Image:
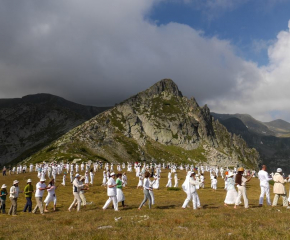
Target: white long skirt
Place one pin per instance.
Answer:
(120, 195)
(50, 198)
(231, 196)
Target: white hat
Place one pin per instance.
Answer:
(279, 170)
(42, 179)
(4, 186)
(29, 180)
(230, 174)
(15, 182)
(77, 175)
(112, 174)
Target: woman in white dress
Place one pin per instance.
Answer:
(140, 183)
(156, 182)
(87, 177)
(51, 197)
(104, 178)
(169, 183)
(231, 191)
(119, 186)
(124, 179)
(92, 176)
(175, 180)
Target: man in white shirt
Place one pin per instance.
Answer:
(40, 187)
(14, 191)
(77, 186)
(112, 192)
(264, 184)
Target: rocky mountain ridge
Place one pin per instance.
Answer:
(28, 124)
(274, 151)
(157, 124)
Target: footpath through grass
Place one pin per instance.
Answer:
(166, 220)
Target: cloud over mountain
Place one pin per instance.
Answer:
(101, 52)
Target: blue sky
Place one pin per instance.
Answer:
(232, 55)
(250, 25)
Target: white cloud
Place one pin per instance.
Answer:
(102, 52)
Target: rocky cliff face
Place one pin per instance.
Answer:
(158, 123)
(28, 124)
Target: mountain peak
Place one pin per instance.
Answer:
(165, 85)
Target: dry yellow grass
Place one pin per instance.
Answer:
(166, 220)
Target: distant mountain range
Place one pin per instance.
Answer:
(158, 124)
(29, 123)
(269, 138)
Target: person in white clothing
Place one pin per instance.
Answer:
(241, 184)
(92, 176)
(176, 180)
(77, 186)
(146, 189)
(14, 192)
(214, 183)
(40, 187)
(112, 192)
(51, 197)
(189, 187)
(264, 184)
(169, 183)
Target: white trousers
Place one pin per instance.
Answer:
(276, 198)
(115, 203)
(76, 199)
(265, 190)
(242, 192)
(195, 200)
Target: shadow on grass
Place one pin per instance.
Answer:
(207, 206)
(166, 207)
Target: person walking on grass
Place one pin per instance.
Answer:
(146, 189)
(14, 192)
(279, 188)
(241, 184)
(28, 190)
(120, 194)
(112, 192)
(264, 184)
(51, 197)
(77, 186)
(3, 195)
(40, 187)
(189, 187)
(231, 191)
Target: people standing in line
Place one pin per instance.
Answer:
(146, 189)
(14, 192)
(241, 184)
(51, 197)
(28, 190)
(264, 184)
(40, 187)
(189, 187)
(112, 192)
(77, 186)
(279, 188)
(120, 194)
(3, 195)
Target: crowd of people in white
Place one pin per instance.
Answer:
(234, 177)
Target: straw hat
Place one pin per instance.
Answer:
(15, 182)
(240, 169)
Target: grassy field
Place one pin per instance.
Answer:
(166, 220)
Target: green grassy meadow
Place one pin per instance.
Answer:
(166, 219)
